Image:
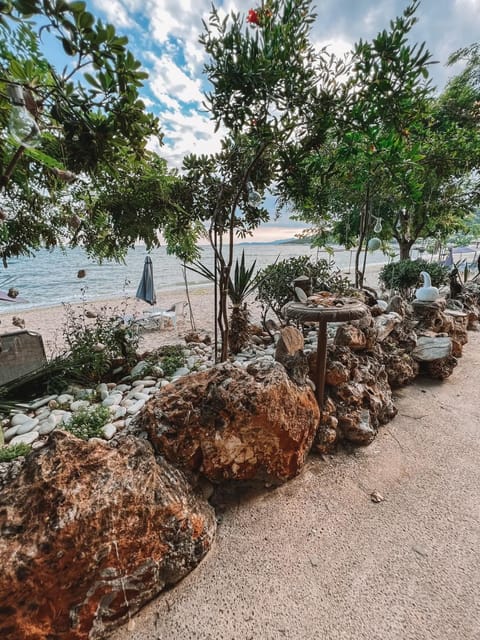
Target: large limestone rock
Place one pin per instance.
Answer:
(289, 352)
(89, 533)
(234, 424)
(358, 398)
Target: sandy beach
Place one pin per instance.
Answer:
(50, 322)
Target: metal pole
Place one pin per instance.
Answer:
(215, 297)
(321, 362)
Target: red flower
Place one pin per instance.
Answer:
(252, 17)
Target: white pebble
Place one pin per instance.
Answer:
(134, 408)
(25, 438)
(65, 398)
(9, 433)
(18, 419)
(109, 430)
(27, 426)
(79, 404)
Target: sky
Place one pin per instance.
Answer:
(163, 35)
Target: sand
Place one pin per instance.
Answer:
(51, 322)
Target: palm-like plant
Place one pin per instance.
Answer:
(244, 282)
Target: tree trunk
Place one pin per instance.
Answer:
(364, 220)
(405, 246)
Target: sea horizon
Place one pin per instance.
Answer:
(51, 277)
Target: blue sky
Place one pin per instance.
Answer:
(164, 34)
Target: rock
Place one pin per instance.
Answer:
(356, 427)
(135, 407)
(24, 438)
(348, 335)
(113, 399)
(112, 528)
(439, 369)
(432, 348)
(336, 373)
(27, 426)
(102, 391)
(140, 368)
(289, 342)
(65, 398)
(401, 368)
(289, 352)
(78, 405)
(399, 305)
(386, 323)
(109, 430)
(18, 419)
(48, 425)
(118, 411)
(231, 423)
(10, 432)
(182, 371)
(354, 382)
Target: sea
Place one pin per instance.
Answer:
(51, 276)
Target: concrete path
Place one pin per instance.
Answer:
(317, 560)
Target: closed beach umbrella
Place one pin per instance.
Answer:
(448, 262)
(146, 288)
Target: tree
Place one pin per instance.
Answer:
(350, 175)
(85, 125)
(262, 74)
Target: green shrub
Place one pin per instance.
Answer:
(405, 275)
(10, 452)
(89, 423)
(95, 346)
(172, 358)
(275, 288)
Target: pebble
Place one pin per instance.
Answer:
(118, 411)
(25, 438)
(65, 398)
(109, 430)
(149, 382)
(77, 405)
(27, 426)
(139, 368)
(141, 396)
(113, 399)
(135, 408)
(18, 419)
(182, 371)
(47, 426)
(102, 391)
(121, 388)
(9, 433)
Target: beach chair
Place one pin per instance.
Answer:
(156, 318)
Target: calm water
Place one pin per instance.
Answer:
(51, 276)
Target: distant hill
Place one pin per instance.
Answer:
(284, 241)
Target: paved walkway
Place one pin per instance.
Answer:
(317, 560)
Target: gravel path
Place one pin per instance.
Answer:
(317, 559)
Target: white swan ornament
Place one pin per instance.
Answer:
(427, 293)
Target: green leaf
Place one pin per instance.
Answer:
(43, 158)
(68, 47)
